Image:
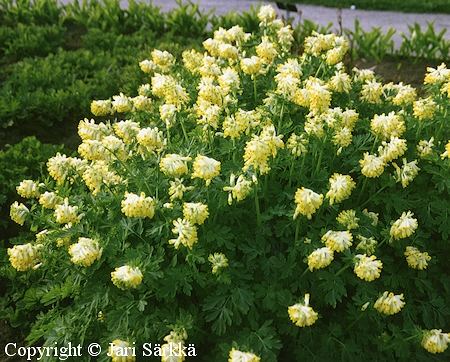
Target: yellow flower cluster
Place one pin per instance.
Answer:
(195, 213)
(416, 259)
(368, 268)
(29, 189)
(174, 165)
(341, 187)
(238, 356)
(126, 277)
(18, 212)
(218, 260)
(85, 252)
(337, 240)
(389, 303)
(138, 206)
(302, 314)
(260, 148)
(406, 173)
(64, 213)
(187, 233)
(25, 257)
(387, 126)
(206, 168)
(348, 219)
(49, 200)
(239, 188)
(435, 341)
(172, 350)
(307, 202)
(404, 226)
(320, 258)
(121, 351)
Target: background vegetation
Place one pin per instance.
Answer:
(414, 6)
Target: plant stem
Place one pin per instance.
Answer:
(258, 211)
(345, 267)
(184, 130)
(371, 197)
(362, 190)
(254, 89)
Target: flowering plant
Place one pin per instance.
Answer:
(251, 203)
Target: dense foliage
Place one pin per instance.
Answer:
(246, 202)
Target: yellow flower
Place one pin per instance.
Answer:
(62, 168)
(142, 102)
(320, 258)
(404, 226)
(239, 189)
(368, 268)
(177, 189)
(368, 245)
(435, 341)
(101, 108)
(318, 94)
(425, 147)
(25, 257)
(407, 173)
(348, 219)
(49, 200)
(371, 92)
(371, 215)
(121, 351)
(148, 66)
(229, 80)
(371, 165)
(228, 51)
(192, 60)
(393, 149)
(85, 252)
(206, 168)
(187, 233)
(302, 314)
(127, 130)
(121, 103)
(126, 277)
(405, 95)
(440, 74)
(416, 259)
(307, 202)
(341, 187)
(89, 130)
(196, 213)
(266, 14)
(424, 108)
(174, 165)
(447, 151)
(163, 59)
(387, 126)
(218, 260)
(238, 356)
(18, 212)
(138, 206)
(389, 303)
(251, 65)
(98, 174)
(29, 189)
(64, 213)
(152, 139)
(266, 50)
(340, 82)
(337, 240)
(297, 144)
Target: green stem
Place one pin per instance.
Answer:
(297, 231)
(362, 189)
(392, 345)
(280, 121)
(371, 197)
(345, 267)
(441, 126)
(254, 89)
(184, 130)
(258, 211)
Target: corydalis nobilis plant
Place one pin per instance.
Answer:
(259, 201)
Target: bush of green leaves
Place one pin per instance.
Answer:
(247, 204)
